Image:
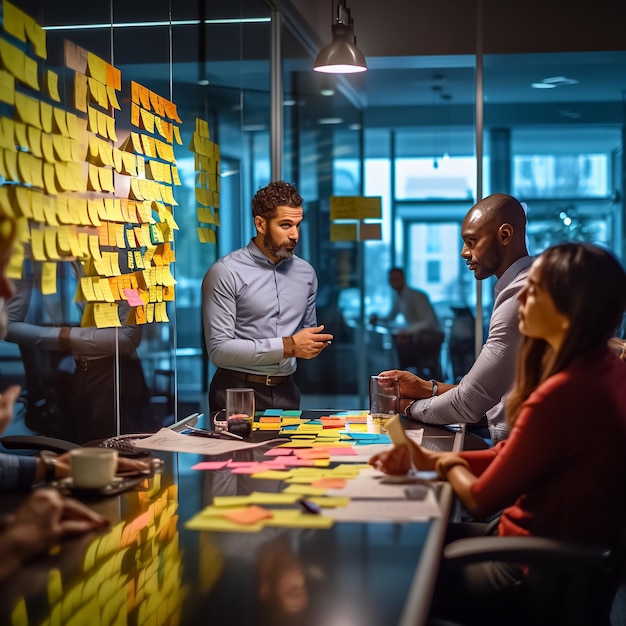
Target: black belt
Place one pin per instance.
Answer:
(270, 380)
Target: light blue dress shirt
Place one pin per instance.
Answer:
(249, 304)
(481, 391)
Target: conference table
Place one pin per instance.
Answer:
(148, 568)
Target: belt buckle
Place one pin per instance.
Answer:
(268, 380)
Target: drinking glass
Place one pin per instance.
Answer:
(240, 410)
(384, 394)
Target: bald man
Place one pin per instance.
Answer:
(494, 244)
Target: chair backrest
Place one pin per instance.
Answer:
(563, 593)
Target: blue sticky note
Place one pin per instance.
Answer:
(273, 412)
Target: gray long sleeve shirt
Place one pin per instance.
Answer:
(249, 304)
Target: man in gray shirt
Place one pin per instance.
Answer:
(258, 307)
(494, 243)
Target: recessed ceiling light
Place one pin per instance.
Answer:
(289, 103)
(355, 127)
(542, 86)
(203, 82)
(330, 120)
(559, 81)
(327, 92)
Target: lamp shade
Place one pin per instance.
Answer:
(341, 56)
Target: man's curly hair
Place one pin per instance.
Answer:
(277, 193)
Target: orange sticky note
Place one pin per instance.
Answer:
(249, 515)
(329, 483)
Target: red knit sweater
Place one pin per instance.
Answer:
(562, 471)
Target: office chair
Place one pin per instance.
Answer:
(422, 352)
(567, 583)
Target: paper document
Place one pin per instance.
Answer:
(170, 441)
(386, 510)
(370, 485)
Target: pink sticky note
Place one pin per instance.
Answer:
(209, 465)
(250, 515)
(250, 468)
(274, 465)
(343, 451)
(278, 452)
(133, 297)
(241, 463)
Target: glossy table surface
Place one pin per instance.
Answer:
(149, 569)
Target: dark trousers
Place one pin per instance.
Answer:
(285, 396)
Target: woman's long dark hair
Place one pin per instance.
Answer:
(588, 286)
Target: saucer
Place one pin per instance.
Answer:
(117, 485)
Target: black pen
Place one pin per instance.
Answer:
(214, 434)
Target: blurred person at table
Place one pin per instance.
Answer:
(75, 398)
(45, 519)
(422, 330)
(494, 244)
(20, 471)
(258, 306)
(572, 303)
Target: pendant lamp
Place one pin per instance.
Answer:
(341, 55)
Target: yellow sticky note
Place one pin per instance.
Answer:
(31, 73)
(45, 112)
(7, 87)
(48, 278)
(343, 232)
(58, 116)
(27, 109)
(13, 20)
(37, 36)
(112, 97)
(52, 85)
(80, 92)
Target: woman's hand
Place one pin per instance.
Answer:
(398, 462)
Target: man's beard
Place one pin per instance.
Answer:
(278, 251)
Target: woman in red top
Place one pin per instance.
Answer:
(561, 472)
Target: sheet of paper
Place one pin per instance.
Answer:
(168, 440)
(370, 486)
(386, 510)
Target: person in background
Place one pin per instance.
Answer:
(422, 331)
(570, 306)
(494, 244)
(258, 307)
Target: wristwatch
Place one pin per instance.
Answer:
(49, 460)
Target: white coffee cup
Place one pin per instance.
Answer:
(93, 468)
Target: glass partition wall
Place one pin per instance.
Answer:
(552, 134)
